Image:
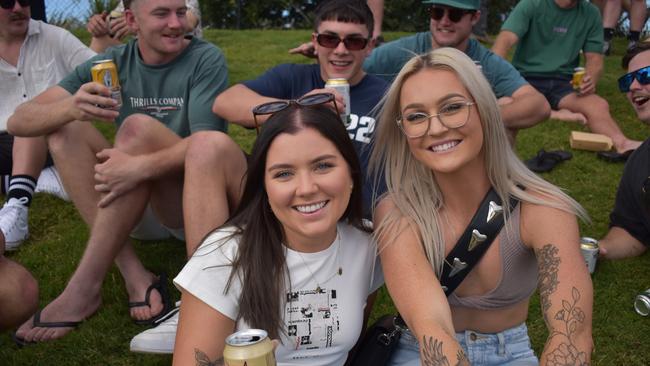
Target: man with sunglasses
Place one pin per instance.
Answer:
(168, 84)
(451, 26)
(629, 221)
(33, 56)
(550, 34)
(342, 35)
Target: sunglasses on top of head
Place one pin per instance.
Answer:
(641, 75)
(454, 14)
(352, 43)
(9, 4)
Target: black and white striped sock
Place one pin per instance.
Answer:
(21, 186)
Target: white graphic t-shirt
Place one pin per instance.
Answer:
(323, 313)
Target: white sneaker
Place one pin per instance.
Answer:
(50, 182)
(159, 339)
(13, 222)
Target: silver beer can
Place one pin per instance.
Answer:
(251, 347)
(642, 303)
(589, 249)
(343, 87)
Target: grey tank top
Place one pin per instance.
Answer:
(518, 272)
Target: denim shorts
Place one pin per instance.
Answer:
(510, 347)
(553, 88)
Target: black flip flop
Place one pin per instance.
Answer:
(159, 285)
(545, 161)
(614, 157)
(37, 323)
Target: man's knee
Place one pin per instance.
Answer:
(134, 131)
(64, 137)
(18, 294)
(208, 148)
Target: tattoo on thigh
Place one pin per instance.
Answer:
(548, 262)
(203, 360)
(432, 354)
(571, 317)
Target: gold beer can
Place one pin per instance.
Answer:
(578, 74)
(342, 86)
(105, 73)
(251, 347)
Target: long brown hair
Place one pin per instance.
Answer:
(260, 263)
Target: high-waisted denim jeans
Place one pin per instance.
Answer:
(510, 347)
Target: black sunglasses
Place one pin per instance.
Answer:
(9, 4)
(306, 101)
(454, 14)
(641, 75)
(352, 43)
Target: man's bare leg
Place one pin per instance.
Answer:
(568, 116)
(110, 229)
(214, 168)
(599, 120)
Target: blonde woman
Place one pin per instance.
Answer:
(443, 148)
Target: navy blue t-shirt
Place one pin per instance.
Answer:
(291, 81)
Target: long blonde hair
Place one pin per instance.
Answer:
(412, 186)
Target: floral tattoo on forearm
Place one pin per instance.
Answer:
(570, 316)
(203, 360)
(432, 354)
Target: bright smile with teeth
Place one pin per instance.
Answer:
(340, 63)
(640, 100)
(444, 147)
(311, 208)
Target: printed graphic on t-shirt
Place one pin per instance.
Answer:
(312, 318)
(157, 107)
(361, 128)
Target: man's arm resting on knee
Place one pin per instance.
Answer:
(527, 108)
(504, 42)
(618, 244)
(236, 105)
(55, 107)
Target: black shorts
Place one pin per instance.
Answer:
(6, 154)
(553, 88)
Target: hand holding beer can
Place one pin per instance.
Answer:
(111, 18)
(342, 87)
(251, 347)
(105, 73)
(576, 81)
(589, 249)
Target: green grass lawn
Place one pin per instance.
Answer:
(58, 235)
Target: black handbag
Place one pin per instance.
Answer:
(381, 338)
(377, 344)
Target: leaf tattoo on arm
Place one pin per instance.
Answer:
(432, 354)
(570, 315)
(203, 360)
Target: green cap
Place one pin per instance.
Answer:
(460, 4)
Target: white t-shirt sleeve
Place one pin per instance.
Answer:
(206, 274)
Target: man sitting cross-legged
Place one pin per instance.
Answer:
(342, 35)
(168, 85)
(550, 35)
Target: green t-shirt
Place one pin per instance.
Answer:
(179, 94)
(387, 61)
(550, 37)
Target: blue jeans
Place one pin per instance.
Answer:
(510, 347)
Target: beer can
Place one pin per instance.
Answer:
(343, 87)
(578, 74)
(251, 347)
(105, 72)
(111, 17)
(589, 249)
(642, 303)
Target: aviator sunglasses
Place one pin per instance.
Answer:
(641, 75)
(454, 14)
(306, 101)
(352, 43)
(9, 4)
